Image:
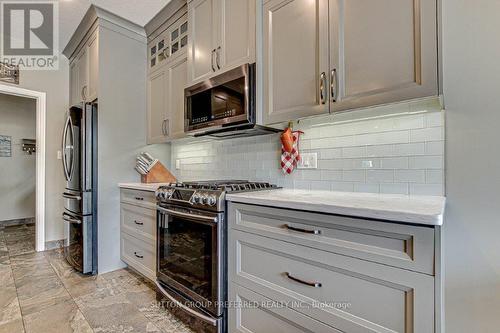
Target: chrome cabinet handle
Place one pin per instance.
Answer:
(322, 87)
(217, 57)
(163, 127)
(333, 85)
(212, 60)
(138, 256)
(307, 283)
(306, 231)
(138, 223)
(84, 89)
(139, 198)
(167, 125)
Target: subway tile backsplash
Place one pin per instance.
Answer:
(396, 149)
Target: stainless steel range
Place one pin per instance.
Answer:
(192, 249)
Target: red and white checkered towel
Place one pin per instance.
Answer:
(289, 160)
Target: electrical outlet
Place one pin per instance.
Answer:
(308, 161)
(177, 164)
(59, 155)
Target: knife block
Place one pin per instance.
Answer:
(158, 174)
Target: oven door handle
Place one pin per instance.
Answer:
(187, 215)
(209, 320)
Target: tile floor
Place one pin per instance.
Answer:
(40, 292)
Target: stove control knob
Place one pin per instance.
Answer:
(204, 199)
(196, 198)
(168, 194)
(212, 200)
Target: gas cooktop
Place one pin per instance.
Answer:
(209, 194)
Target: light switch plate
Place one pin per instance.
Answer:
(308, 161)
(59, 155)
(177, 164)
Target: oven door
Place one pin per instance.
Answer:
(190, 255)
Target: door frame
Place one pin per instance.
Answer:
(41, 109)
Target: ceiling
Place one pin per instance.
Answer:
(71, 13)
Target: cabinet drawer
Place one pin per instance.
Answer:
(139, 222)
(254, 313)
(355, 295)
(139, 255)
(136, 197)
(399, 245)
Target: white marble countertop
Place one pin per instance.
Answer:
(141, 186)
(427, 210)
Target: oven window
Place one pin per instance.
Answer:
(224, 101)
(186, 254)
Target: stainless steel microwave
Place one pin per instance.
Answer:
(223, 106)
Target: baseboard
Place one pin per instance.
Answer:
(55, 244)
(8, 223)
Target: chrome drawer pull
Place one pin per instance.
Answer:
(138, 256)
(313, 232)
(307, 283)
(139, 198)
(138, 223)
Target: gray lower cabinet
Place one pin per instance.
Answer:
(138, 231)
(352, 278)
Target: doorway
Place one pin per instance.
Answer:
(39, 99)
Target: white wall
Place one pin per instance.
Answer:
(472, 225)
(17, 173)
(403, 142)
(54, 84)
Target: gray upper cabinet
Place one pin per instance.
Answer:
(167, 57)
(346, 54)
(84, 75)
(93, 74)
(156, 106)
(222, 36)
(237, 32)
(382, 51)
(295, 59)
(177, 78)
(203, 37)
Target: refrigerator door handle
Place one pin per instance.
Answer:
(68, 170)
(64, 162)
(70, 219)
(71, 196)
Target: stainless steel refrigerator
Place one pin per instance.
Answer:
(79, 158)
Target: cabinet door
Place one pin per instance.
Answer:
(73, 82)
(156, 106)
(177, 79)
(295, 59)
(82, 75)
(383, 51)
(93, 61)
(237, 33)
(202, 35)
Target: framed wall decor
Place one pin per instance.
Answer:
(5, 146)
(9, 73)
